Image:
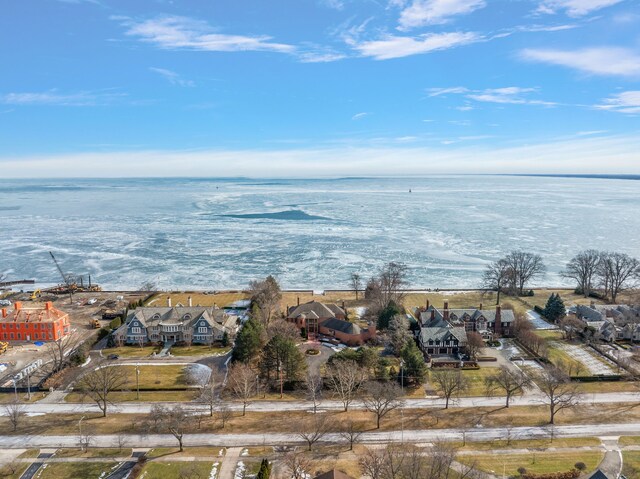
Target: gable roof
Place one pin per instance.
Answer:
(506, 315)
(342, 326)
(333, 474)
(322, 310)
(598, 474)
(442, 334)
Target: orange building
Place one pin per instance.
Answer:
(33, 324)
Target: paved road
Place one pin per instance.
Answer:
(411, 436)
(269, 406)
(35, 466)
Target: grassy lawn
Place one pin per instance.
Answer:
(201, 451)
(199, 350)
(530, 443)
(75, 470)
(168, 470)
(29, 453)
(129, 396)
(608, 387)
(467, 299)
(549, 334)
(198, 299)
(6, 398)
(93, 452)
(156, 377)
(476, 380)
(132, 351)
(537, 462)
(631, 464)
(557, 356)
(13, 471)
(629, 441)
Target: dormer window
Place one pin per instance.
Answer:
(156, 316)
(186, 317)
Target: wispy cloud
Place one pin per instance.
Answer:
(512, 95)
(433, 12)
(563, 156)
(172, 77)
(625, 102)
(574, 8)
(55, 98)
(176, 32)
(335, 4)
(360, 116)
(398, 46)
(611, 61)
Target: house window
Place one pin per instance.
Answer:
(135, 330)
(202, 329)
(12, 336)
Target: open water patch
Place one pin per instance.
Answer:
(288, 215)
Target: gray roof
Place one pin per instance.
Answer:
(342, 326)
(442, 334)
(323, 311)
(588, 313)
(214, 317)
(506, 315)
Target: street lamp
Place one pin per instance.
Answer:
(402, 376)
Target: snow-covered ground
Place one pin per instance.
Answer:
(538, 322)
(593, 363)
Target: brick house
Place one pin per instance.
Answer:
(34, 324)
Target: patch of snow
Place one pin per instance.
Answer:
(86, 362)
(245, 452)
(214, 471)
(221, 452)
(31, 414)
(359, 311)
(240, 469)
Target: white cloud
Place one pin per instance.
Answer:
(335, 4)
(397, 47)
(598, 60)
(574, 8)
(175, 32)
(172, 77)
(54, 98)
(359, 116)
(625, 102)
(433, 12)
(566, 156)
(445, 91)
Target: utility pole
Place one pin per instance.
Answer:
(80, 431)
(28, 386)
(402, 376)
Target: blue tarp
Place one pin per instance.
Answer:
(38, 343)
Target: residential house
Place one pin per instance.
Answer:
(329, 320)
(610, 322)
(34, 324)
(189, 324)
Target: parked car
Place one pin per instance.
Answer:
(92, 301)
(113, 356)
(5, 302)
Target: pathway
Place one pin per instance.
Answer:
(611, 464)
(229, 463)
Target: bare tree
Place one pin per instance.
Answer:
(100, 383)
(297, 465)
(441, 458)
(510, 381)
(475, 344)
(399, 333)
(210, 390)
(618, 272)
(497, 277)
(450, 382)
(345, 378)
(122, 439)
(242, 382)
(59, 350)
(314, 384)
(350, 432)
(14, 411)
(388, 286)
(382, 398)
(413, 464)
(356, 283)
(313, 429)
(524, 267)
(266, 294)
(558, 391)
(570, 325)
(85, 439)
(583, 268)
(372, 464)
(224, 414)
(174, 420)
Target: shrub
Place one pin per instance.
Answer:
(313, 352)
(115, 323)
(580, 466)
(102, 333)
(522, 471)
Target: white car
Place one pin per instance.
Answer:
(5, 302)
(92, 301)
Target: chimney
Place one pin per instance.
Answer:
(427, 303)
(593, 304)
(17, 305)
(48, 306)
(190, 301)
(169, 301)
(497, 327)
(480, 308)
(446, 311)
(343, 307)
(433, 314)
(4, 312)
(298, 300)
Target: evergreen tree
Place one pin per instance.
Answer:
(414, 369)
(282, 352)
(225, 339)
(387, 313)
(248, 341)
(554, 310)
(265, 470)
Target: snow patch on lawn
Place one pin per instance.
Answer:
(214, 471)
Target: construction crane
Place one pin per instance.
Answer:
(66, 279)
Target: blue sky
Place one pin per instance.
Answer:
(318, 87)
